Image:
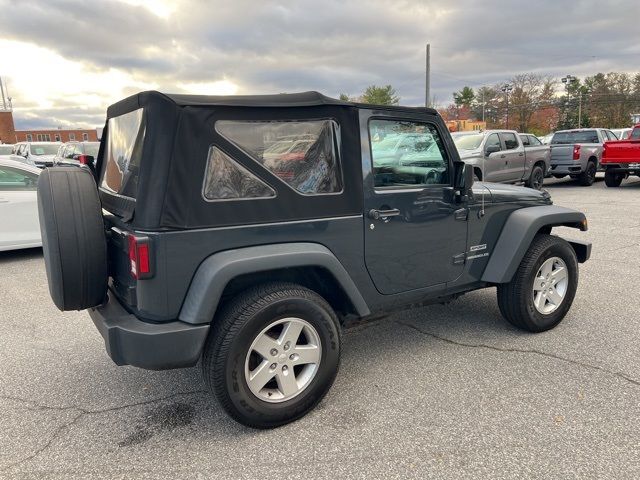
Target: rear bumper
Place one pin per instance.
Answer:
(154, 346)
(629, 168)
(574, 168)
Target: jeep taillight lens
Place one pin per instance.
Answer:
(139, 257)
(83, 159)
(576, 152)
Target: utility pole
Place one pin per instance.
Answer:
(580, 111)
(483, 105)
(427, 89)
(506, 88)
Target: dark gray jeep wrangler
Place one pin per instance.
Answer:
(246, 231)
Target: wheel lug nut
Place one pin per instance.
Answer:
(274, 366)
(292, 356)
(273, 352)
(285, 368)
(286, 346)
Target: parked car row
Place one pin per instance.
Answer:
(507, 156)
(48, 154)
(504, 156)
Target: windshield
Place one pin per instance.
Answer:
(586, 136)
(50, 149)
(468, 142)
(6, 149)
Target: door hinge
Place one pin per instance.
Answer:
(461, 214)
(459, 259)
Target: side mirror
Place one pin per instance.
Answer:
(491, 149)
(463, 179)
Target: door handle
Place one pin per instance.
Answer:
(521, 154)
(382, 214)
(502, 156)
(4, 200)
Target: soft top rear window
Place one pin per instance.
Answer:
(125, 135)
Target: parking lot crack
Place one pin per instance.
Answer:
(554, 356)
(81, 412)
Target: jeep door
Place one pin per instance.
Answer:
(415, 232)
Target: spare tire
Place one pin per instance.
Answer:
(73, 237)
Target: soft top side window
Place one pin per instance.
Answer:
(301, 153)
(225, 179)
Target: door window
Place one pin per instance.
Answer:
(14, 179)
(406, 153)
(510, 141)
(493, 141)
(525, 140)
(534, 142)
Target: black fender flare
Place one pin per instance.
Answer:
(216, 271)
(518, 232)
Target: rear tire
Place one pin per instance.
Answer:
(613, 179)
(235, 356)
(73, 237)
(587, 177)
(531, 300)
(536, 179)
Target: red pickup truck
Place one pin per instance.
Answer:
(621, 158)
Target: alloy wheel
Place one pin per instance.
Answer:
(283, 360)
(550, 285)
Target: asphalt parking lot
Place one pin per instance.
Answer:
(447, 391)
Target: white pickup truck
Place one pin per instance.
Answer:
(504, 156)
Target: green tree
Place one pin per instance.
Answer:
(380, 95)
(464, 98)
(344, 97)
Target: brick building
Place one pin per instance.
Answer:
(57, 135)
(7, 129)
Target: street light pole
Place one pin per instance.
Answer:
(568, 80)
(506, 88)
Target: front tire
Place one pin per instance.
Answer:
(587, 177)
(273, 354)
(613, 179)
(544, 286)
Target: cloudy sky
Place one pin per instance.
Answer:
(64, 61)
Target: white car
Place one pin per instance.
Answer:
(20, 227)
(39, 154)
(6, 149)
(622, 133)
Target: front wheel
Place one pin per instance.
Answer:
(273, 354)
(544, 286)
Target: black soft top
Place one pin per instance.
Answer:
(282, 100)
(179, 131)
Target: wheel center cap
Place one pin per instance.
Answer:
(282, 358)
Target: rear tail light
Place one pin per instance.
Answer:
(83, 159)
(576, 152)
(139, 257)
